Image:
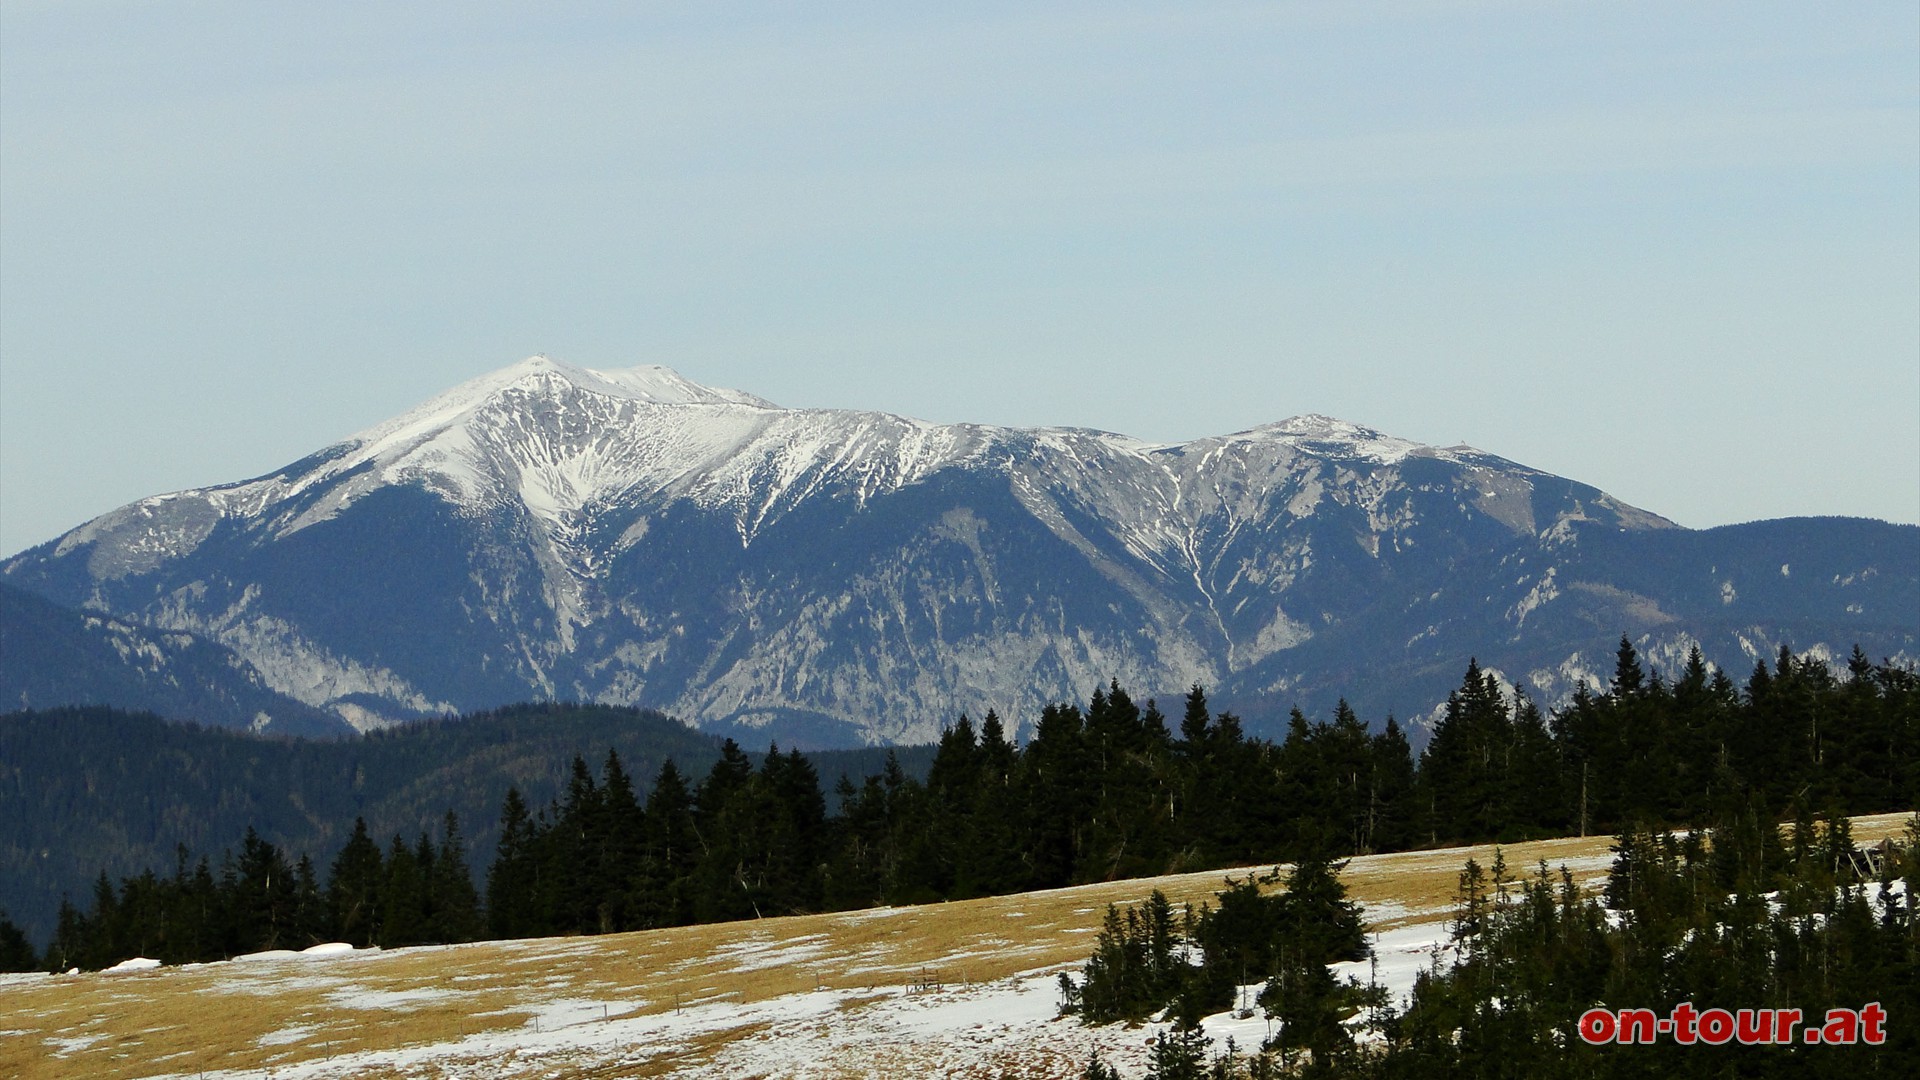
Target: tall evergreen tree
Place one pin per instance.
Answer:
(664, 896)
(617, 839)
(1056, 787)
(16, 954)
(354, 888)
(795, 833)
(454, 902)
(1392, 796)
(266, 902)
(513, 879)
(1465, 770)
(405, 919)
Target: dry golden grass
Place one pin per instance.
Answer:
(255, 1018)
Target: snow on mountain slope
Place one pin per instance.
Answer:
(560, 439)
(634, 537)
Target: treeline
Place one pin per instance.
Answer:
(411, 894)
(1118, 789)
(107, 790)
(1726, 917)
(1656, 751)
(1096, 794)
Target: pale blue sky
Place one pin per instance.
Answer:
(1671, 252)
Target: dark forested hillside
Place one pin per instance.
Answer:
(91, 790)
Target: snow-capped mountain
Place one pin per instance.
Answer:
(633, 537)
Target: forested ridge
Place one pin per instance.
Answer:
(1115, 789)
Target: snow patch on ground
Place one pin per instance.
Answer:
(286, 1036)
(127, 967)
(357, 998)
(70, 1045)
(759, 954)
(1399, 956)
(571, 1012)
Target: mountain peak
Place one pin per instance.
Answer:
(1323, 435)
(1320, 425)
(653, 384)
(648, 384)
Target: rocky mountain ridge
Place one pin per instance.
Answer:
(831, 576)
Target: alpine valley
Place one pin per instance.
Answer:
(828, 577)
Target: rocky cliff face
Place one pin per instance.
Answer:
(833, 576)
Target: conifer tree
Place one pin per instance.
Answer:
(513, 908)
(795, 833)
(311, 924)
(266, 900)
(67, 950)
(403, 898)
(1533, 775)
(574, 870)
(1392, 797)
(1465, 768)
(454, 901)
(1347, 764)
(354, 888)
(618, 843)
(668, 853)
(1316, 918)
(1098, 1070)
(16, 954)
(1056, 778)
(1179, 1054)
(988, 860)
(1127, 834)
(729, 819)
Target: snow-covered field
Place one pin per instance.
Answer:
(965, 989)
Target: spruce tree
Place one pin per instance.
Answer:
(311, 923)
(1392, 794)
(513, 880)
(403, 898)
(1055, 777)
(730, 816)
(68, 949)
(663, 888)
(454, 902)
(1465, 769)
(795, 833)
(354, 889)
(987, 862)
(266, 900)
(618, 842)
(1346, 765)
(574, 866)
(1179, 1054)
(16, 954)
(1533, 772)
(1315, 916)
